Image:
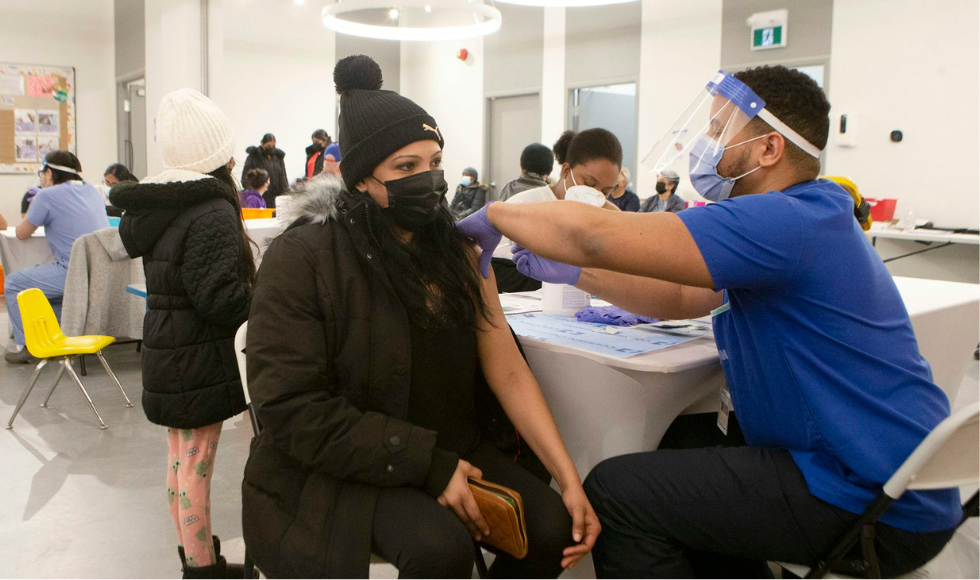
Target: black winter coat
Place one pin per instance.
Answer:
(273, 162)
(468, 199)
(329, 372)
(197, 297)
(312, 150)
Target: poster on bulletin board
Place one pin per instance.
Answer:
(37, 114)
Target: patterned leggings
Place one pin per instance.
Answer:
(191, 456)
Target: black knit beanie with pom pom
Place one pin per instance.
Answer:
(374, 123)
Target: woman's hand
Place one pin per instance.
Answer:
(458, 497)
(585, 526)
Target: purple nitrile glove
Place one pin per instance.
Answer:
(477, 227)
(534, 266)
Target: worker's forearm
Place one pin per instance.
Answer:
(553, 230)
(652, 245)
(647, 296)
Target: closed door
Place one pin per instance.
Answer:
(515, 123)
(133, 150)
(610, 107)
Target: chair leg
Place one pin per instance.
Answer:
(57, 379)
(254, 420)
(249, 566)
(81, 387)
(81, 365)
(481, 564)
(113, 375)
(37, 372)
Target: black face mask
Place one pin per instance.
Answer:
(661, 187)
(413, 201)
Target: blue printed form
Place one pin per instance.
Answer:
(593, 337)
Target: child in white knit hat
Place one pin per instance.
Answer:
(186, 225)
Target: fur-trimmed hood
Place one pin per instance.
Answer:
(259, 150)
(151, 205)
(316, 200)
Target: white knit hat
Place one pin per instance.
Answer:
(193, 133)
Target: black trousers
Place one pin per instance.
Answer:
(425, 540)
(722, 511)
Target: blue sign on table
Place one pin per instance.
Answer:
(567, 331)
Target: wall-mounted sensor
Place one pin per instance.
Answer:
(846, 129)
(896, 136)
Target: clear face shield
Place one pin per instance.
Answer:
(692, 147)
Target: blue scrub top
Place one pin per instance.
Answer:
(67, 211)
(818, 348)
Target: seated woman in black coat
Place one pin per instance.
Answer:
(368, 329)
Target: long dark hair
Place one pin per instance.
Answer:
(120, 172)
(432, 275)
(223, 174)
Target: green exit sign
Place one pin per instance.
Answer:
(768, 37)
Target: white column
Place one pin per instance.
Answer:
(679, 50)
(173, 60)
(553, 97)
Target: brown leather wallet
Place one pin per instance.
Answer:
(503, 510)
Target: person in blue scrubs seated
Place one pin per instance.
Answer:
(830, 390)
(67, 208)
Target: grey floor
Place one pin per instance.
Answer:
(87, 503)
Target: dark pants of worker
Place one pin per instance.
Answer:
(722, 511)
(425, 540)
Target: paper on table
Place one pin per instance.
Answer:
(567, 331)
(519, 304)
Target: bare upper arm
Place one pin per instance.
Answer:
(500, 358)
(25, 229)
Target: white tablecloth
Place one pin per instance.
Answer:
(607, 406)
(19, 254)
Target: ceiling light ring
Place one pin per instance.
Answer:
(565, 3)
(331, 16)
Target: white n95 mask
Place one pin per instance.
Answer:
(583, 193)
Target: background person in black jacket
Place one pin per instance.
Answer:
(267, 156)
(369, 327)
(470, 196)
(314, 153)
(186, 225)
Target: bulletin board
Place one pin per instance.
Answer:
(37, 114)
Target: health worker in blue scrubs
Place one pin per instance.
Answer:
(826, 379)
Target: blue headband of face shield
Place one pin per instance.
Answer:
(45, 166)
(753, 106)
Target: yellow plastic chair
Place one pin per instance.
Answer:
(44, 339)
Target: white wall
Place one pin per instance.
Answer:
(452, 92)
(270, 70)
(910, 65)
(680, 49)
(276, 77)
(66, 33)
